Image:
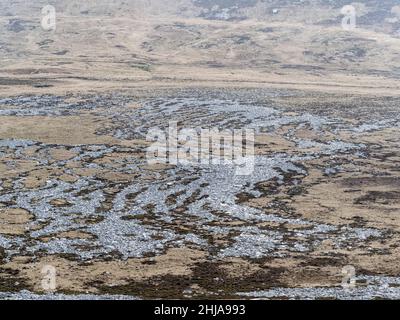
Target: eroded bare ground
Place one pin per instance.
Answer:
(77, 193)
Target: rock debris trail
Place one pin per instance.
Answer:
(102, 201)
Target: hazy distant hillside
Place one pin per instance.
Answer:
(275, 36)
(370, 11)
